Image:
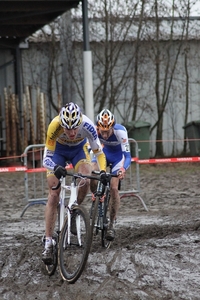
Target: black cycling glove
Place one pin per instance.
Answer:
(59, 171)
(103, 177)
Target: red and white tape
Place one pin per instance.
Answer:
(44, 169)
(25, 169)
(139, 161)
(166, 160)
(12, 169)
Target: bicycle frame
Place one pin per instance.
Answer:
(95, 214)
(62, 204)
(72, 200)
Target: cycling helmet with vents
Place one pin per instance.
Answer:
(70, 116)
(105, 120)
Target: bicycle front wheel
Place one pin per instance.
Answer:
(104, 242)
(94, 217)
(74, 247)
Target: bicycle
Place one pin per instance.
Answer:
(99, 211)
(71, 249)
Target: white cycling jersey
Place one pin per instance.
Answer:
(117, 148)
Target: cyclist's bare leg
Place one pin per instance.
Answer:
(114, 199)
(113, 207)
(51, 206)
(86, 169)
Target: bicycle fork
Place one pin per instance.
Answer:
(102, 209)
(100, 215)
(70, 211)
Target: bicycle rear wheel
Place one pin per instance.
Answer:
(73, 256)
(52, 268)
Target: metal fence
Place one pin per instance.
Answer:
(36, 190)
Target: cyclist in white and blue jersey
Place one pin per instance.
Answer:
(114, 139)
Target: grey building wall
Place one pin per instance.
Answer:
(44, 69)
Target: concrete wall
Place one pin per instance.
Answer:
(38, 63)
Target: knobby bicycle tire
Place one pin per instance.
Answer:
(72, 257)
(52, 267)
(96, 224)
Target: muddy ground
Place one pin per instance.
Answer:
(156, 254)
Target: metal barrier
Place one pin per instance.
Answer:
(130, 186)
(36, 189)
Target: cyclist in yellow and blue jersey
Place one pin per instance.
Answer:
(67, 140)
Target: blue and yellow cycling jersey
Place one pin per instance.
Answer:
(59, 147)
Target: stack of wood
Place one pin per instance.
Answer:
(31, 128)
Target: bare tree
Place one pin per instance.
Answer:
(165, 62)
(187, 4)
(113, 65)
(135, 59)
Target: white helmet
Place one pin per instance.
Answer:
(105, 120)
(70, 116)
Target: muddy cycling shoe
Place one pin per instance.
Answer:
(73, 224)
(110, 234)
(47, 255)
